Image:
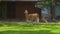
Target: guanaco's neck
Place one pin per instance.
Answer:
(26, 13)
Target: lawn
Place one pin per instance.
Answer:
(24, 28)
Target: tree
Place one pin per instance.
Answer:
(51, 4)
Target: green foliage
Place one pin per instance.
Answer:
(46, 2)
(57, 0)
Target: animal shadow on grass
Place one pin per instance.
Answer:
(27, 32)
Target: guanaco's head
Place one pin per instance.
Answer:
(26, 12)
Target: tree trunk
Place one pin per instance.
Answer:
(52, 10)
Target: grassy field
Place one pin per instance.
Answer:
(24, 28)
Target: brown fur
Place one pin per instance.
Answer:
(33, 16)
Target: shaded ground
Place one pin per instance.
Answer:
(23, 21)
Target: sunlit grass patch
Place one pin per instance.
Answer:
(26, 28)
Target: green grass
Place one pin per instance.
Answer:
(24, 28)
